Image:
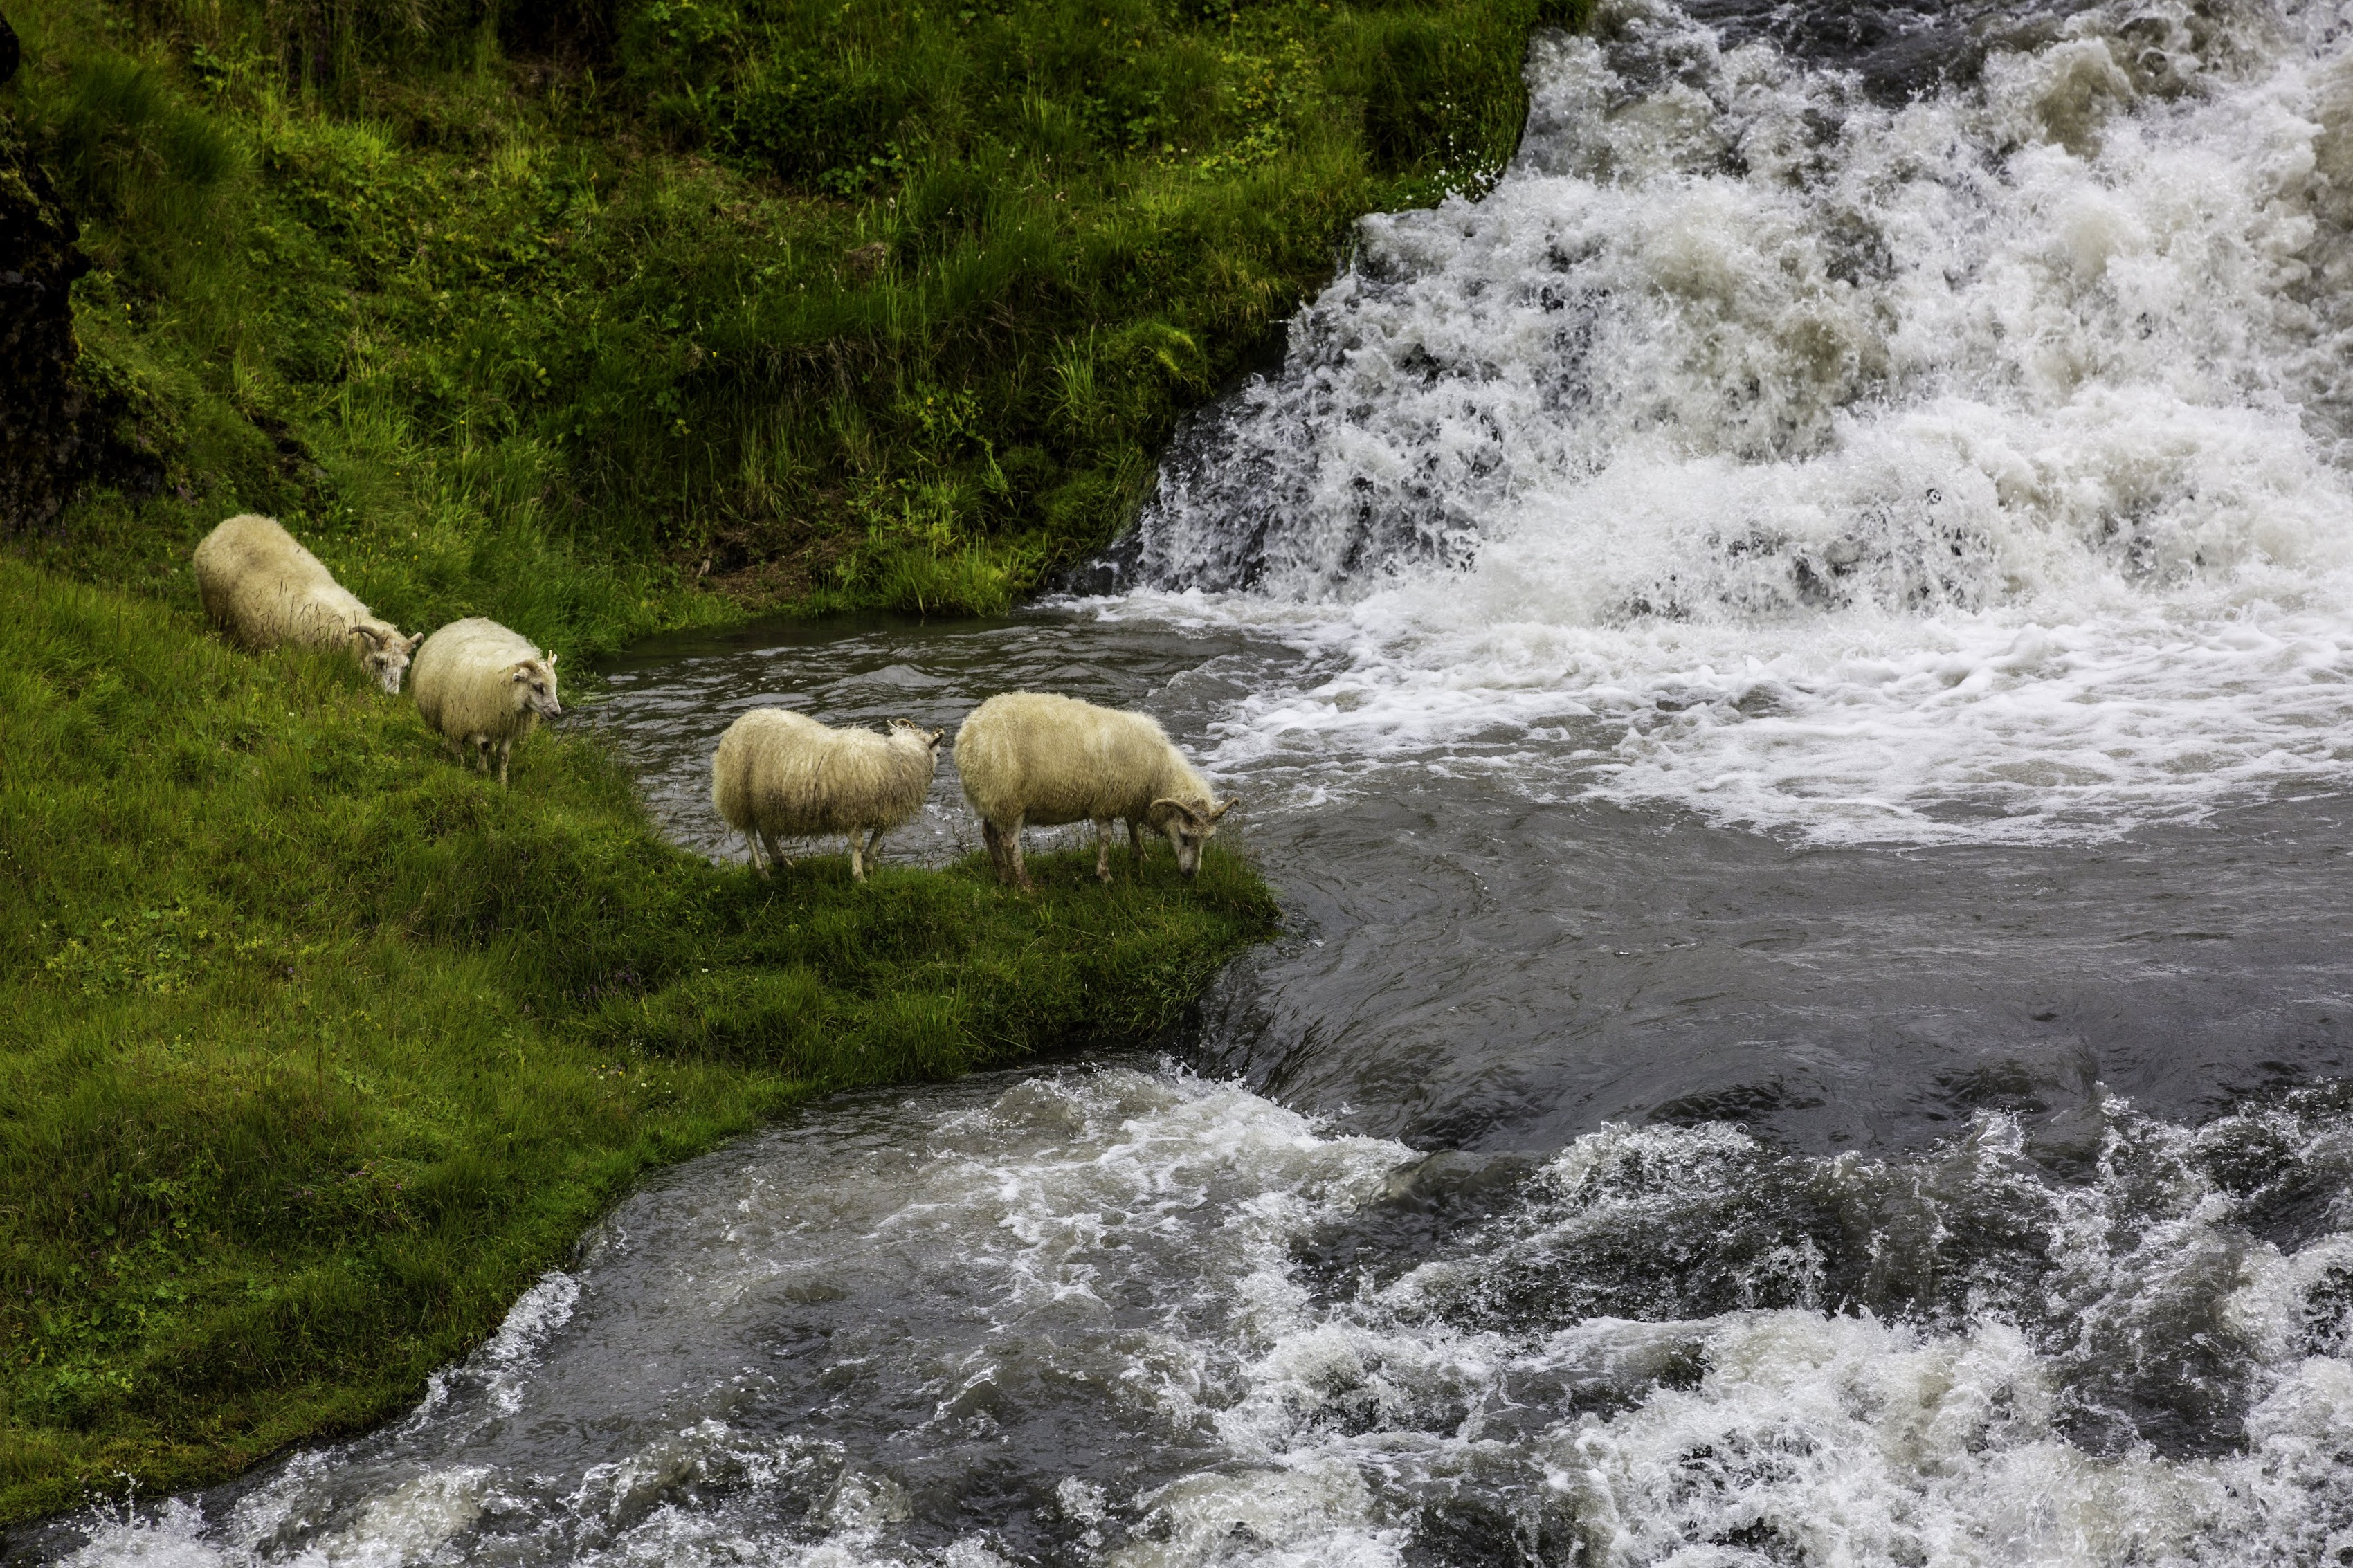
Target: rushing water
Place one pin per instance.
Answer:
(1794, 667)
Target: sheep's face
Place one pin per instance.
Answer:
(1189, 830)
(534, 681)
(905, 729)
(386, 657)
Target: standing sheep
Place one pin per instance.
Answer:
(479, 682)
(1029, 758)
(778, 773)
(266, 589)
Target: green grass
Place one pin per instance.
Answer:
(571, 312)
(314, 1047)
(603, 318)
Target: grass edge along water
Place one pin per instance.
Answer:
(316, 1049)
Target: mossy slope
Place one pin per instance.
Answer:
(564, 312)
(314, 1047)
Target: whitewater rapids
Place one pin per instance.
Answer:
(1971, 467)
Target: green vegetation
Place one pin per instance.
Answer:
(568, 311)
(314, 1047)
(601, 316)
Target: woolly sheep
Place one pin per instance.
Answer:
(1032, 759)
(778, 773)
(478, 682)
(265, 589)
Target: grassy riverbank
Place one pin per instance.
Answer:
(601, 316)
(571, 312)
(316, 1048)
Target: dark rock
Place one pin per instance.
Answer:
(43, 449)
(1111, 570)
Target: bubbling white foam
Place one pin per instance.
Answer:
(1660, 1345)
(1977, 467)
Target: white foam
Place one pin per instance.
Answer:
(1817, 1437)
(1649, 1353)
(174, 1537)
(1977, 470)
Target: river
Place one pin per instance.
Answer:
(1793, 666)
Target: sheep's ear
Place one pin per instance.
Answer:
(551, 662)
(935, 735)
(521, 671)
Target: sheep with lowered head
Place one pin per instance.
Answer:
(781, 774)
(1032, 759)
(480, 684)
(266, 589)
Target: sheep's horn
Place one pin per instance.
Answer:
(1176, 804)
(414, 640)
(370, 633)
(1231, 802)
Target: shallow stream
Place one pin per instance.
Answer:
(1793, 666)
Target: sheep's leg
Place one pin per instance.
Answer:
(506, 749)
(856, 857)
(482, 754)
(1103, 849)
(996, 842)
(775, 856)
(873, 839)
(1013, 853)
(1136, 841)
(752, 844)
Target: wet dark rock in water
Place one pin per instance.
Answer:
(45, 449)
(1111, 570)
(1898, 49)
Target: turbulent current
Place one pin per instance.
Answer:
(1973, 466)
(1793, 665)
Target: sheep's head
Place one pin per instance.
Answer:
(534, 681)
(385, 653)
(930, 738)
(1188, 828)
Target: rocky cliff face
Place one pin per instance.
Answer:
(43, 449)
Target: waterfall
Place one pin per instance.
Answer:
(1969, 465)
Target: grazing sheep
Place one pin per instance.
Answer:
(778, 773)
(1030, 758)
(266, 589)
(479, 682)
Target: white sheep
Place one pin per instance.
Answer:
(479, 683)
(1032, 759)
(265, 589)
(781, 774)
